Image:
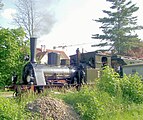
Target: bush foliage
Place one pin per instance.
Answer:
(13, 48)
(130, 87)
(112, 97)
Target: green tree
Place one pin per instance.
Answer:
(119, 27)
(12, 51)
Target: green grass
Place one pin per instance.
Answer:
(14, 108)
(93, 104)
(111, 98)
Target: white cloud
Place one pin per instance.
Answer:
(75, 25)
(8, 13)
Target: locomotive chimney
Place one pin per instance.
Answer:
(33, 42)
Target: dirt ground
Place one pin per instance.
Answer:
(53, 108)
(7, 94)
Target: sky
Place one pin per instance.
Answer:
(73, 23)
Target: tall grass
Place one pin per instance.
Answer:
(112, 98)
(129, 87)
(15, 108)
(11, 110)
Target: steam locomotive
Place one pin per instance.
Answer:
(37, 76)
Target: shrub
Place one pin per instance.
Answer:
(84, 102)
(132, 88)
(14, 108)
(10, 110)
(109, 81)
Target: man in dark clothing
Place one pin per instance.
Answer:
(14, 78)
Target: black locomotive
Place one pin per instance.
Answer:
(43, 75)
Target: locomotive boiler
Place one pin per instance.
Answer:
(45, 74)
(40, 74)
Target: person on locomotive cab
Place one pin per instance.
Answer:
(104, 64)
(14, 78)
(120, 70)
(80, 74)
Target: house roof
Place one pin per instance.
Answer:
(132, 65)
(38, 50)
(40, 54)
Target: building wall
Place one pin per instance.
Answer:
(132, 69)
(44, 59)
